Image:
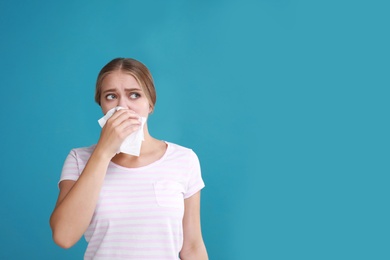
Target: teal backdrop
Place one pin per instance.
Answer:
(285, 102)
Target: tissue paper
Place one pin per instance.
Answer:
(132, 144)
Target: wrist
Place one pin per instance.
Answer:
(102, 154)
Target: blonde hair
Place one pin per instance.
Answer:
(134, 68)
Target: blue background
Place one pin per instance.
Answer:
(285, 102)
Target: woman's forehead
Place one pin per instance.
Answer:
(120, 79)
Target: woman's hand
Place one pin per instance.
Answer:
(120, 125)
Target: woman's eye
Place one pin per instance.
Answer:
(110, 96)
(134, 95)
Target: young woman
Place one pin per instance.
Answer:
(130, 207)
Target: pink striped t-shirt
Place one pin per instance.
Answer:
(140, 210)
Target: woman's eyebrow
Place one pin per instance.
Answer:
(109, 90)
(132, 89)
(126, 89)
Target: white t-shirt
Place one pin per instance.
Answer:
(140, 210)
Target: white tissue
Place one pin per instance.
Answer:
(132, 144)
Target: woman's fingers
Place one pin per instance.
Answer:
(124, 119)
(122, 115)
(126, 127)
(119, 126)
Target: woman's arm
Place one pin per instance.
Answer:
(193, 245)
(77, 200)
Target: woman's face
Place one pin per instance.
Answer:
(121, 89)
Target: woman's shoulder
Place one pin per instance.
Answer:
(177, 147)
(174, 148)
(83, 151)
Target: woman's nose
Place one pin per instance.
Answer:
(122, 102)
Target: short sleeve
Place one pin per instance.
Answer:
(195, 181)
(70, 169)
